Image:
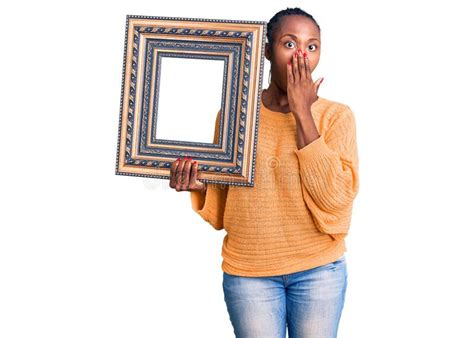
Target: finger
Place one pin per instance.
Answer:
(194, 182)
(179, 175)
(316, 85)
(289, 72)
(193, 172)
(174, 165)
(307, 67)
(301, 66)
(186, 174)
(294, 66)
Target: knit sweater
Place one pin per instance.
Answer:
(298, 213)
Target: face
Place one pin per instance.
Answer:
(293, 32)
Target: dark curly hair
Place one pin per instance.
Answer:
(273, 23)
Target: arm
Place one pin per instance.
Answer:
(329, 173)
(210, 204)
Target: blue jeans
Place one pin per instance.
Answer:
(310, 302)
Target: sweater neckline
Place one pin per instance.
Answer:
(275, 115)
(279, 116)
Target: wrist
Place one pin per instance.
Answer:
(302, 117)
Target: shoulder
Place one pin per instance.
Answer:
(331, 110)
(332, 106)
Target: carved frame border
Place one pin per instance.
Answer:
(241, 45)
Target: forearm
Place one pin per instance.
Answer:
(306, 129)
(329, 165)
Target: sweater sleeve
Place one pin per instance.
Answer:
(328, 168)
(210, 204)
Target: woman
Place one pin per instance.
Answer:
(284, 262)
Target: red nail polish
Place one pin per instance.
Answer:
(179, 158)
(194, 162)
(304, 54)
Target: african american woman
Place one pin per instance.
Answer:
(284, 264)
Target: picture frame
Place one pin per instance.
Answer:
(157, 45)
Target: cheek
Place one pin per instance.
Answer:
(313, 63)
(284, 55)
(282, 66)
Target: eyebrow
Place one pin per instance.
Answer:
(294, 36)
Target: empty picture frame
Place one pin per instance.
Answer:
(191, 87)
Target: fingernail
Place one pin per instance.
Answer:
(194, 162)
(179, 158)
(289, 62)
(304, 54)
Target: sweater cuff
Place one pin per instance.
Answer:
(203, 204)
(315, 148)
(198, 199)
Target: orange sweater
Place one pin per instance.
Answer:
(298, 213)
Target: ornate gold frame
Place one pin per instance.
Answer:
(231, 160)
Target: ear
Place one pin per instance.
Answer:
(267, 52)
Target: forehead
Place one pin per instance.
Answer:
(298, 25)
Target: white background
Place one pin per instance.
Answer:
(86, 253)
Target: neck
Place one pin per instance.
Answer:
(276, 97)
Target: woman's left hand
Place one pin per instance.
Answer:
(301, 90)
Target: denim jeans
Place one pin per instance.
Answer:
(309, 302)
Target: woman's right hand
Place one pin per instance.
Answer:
(183, 176)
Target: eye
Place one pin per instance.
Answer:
(286, 44)
(315, 47)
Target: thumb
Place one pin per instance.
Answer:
(317, 83)
(195, 175)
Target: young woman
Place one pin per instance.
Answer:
(283, 254)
